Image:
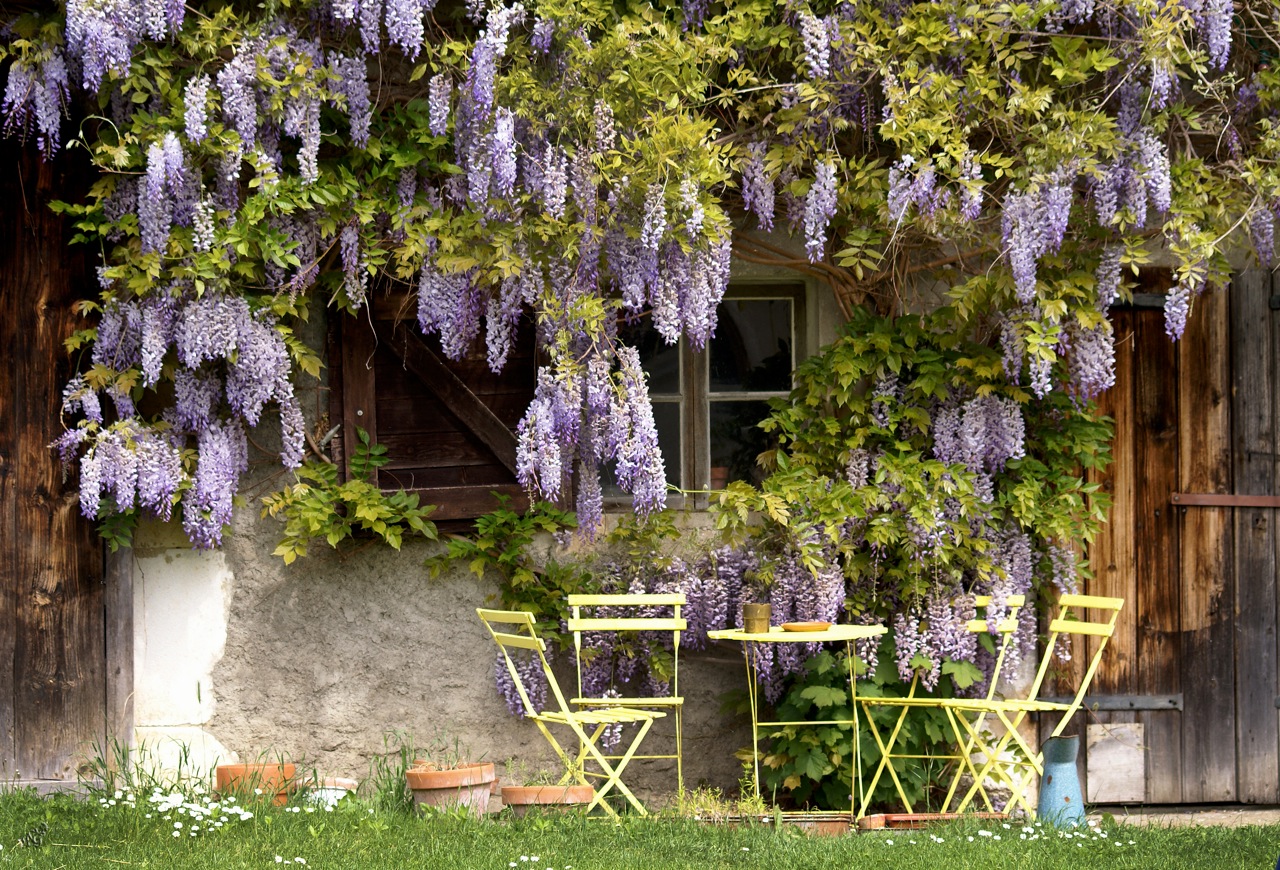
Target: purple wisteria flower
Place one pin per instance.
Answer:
(1092, 363)
(223, 455)
(439, 93)
(817, 45)
(195, 97)
(819, 209)
(757, 186)
(35, 97)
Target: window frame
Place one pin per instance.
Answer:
(695, 396)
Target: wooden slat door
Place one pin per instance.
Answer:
(1176, 566)
(53, 697)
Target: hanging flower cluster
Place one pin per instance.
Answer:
(577, 165)
(255, 173)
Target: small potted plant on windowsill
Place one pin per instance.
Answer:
(539, 790)
(444, 781)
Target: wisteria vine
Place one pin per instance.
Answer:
(588, 165)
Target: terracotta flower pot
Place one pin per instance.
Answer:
(521, 797)
(256, 779)
(467, 785)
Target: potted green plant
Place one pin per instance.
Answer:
(445, 781)
(539, 790)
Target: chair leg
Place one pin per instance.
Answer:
(970, 745)
(886, 756)
(615, 773)
(680, 748)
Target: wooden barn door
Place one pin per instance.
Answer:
(1186, 695)
(53, 639)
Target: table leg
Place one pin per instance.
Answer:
(753, 663)
(858, 798)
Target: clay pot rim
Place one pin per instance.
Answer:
(523, 795)
(456, 777)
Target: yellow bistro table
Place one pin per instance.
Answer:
(836, 633)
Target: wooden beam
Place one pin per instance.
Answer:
(1253, 452)
(119, 627)
(358, 388)
(11, 241)
(1207, 588)
(60, 679)
(1212, 499)
(419, 359)
(1156, 528)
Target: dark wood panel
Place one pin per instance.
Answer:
(1207, 589)
(412, 478)
(444, 450)
(118, 606)
(359, 386)
(470, 410)
(60, 704)
(10, 243)
(1254, 386)
(462, 503)
(424, 414)
(396, 379)
(1156, 548)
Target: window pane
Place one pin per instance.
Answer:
(736, 440)
(666, 417)
(751, 350)
(661, 361)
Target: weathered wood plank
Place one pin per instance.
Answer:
(118, 605)
(1254, 415)
(424, 414)
(485, 475)
(10, 241)
(1113, 558)
(60, 706)
(467, 502)
(359, 394)
(438, 450)
(1111, 555)
(1156, 548)
(436, 376)
(1207, 588)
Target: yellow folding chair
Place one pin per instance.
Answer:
(579, 624)
(960, 756)
(515, 630)
(1009, 758)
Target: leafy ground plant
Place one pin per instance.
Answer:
(69, 833)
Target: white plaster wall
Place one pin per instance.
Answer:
(181, 601)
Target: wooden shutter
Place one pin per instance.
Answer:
(449, 427)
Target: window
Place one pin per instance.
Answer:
(706, 405)
(449, 426)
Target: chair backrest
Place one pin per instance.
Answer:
(517, 630)
(1072, 619)
(1005, 627)
(675, 623)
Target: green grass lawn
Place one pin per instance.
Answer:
(62, 832)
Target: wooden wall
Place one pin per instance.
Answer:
(1195, 654)
(52, 636)
(1256, 378)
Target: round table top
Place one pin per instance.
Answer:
(778, 635)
